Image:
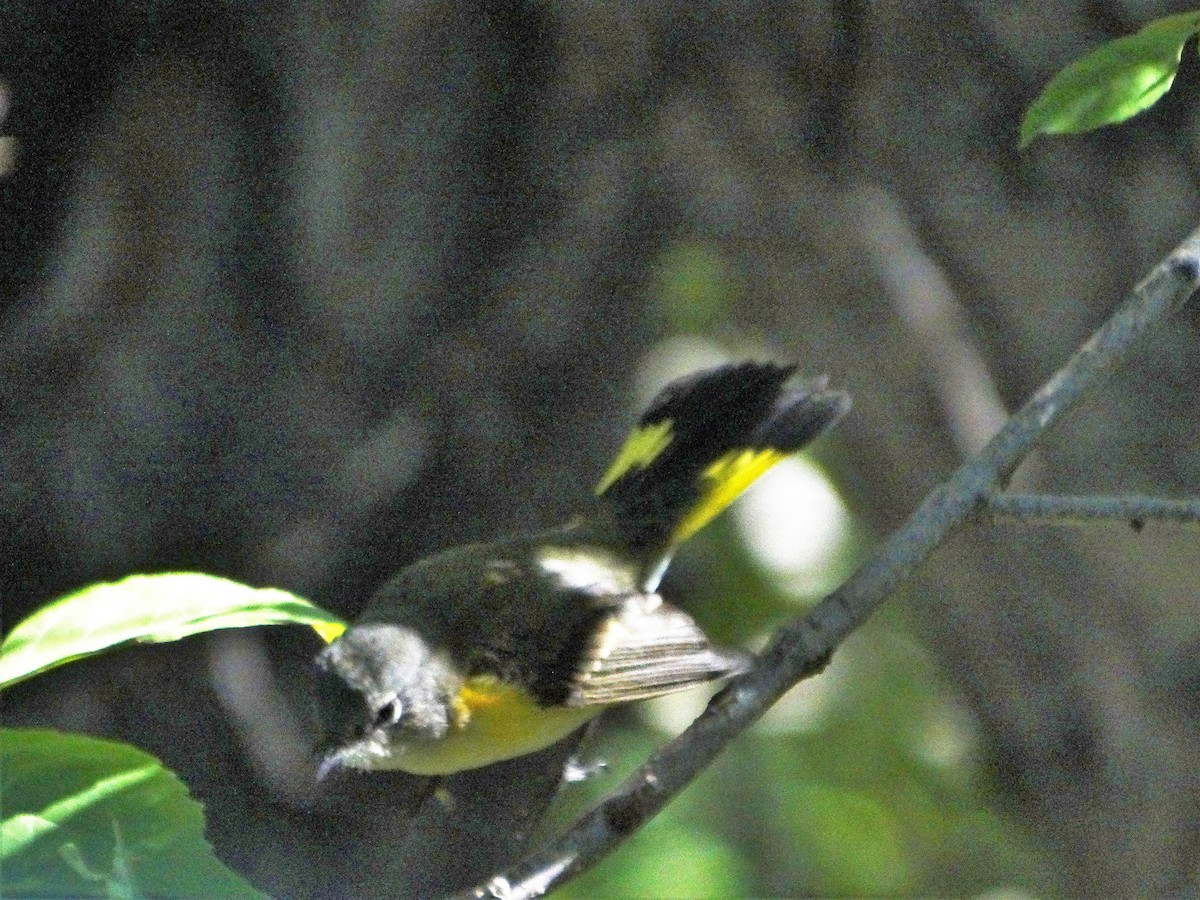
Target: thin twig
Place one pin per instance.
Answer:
(1050, 509)
(933, 314)
(802, 647)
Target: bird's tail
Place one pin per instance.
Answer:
(703, 440)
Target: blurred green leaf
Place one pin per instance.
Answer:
(1112, 83)
(96, 818)
(149, 609)
(852, 839)
(669, 858)
(695, 287)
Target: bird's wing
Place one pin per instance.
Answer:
(645, 648)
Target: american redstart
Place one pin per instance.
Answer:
(490, 651)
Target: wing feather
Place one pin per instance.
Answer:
(646, 648)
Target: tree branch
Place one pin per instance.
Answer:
(802, 647)
(1051, 509)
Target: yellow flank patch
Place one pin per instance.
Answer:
(721, 484)
(485, 691)
(642, 448)
(493, 721)
(329, 631)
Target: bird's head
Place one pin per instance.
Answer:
(378, 687)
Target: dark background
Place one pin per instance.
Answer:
(296, 292)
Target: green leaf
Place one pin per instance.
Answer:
(89, 817)
(151, 609)
(1112, 83)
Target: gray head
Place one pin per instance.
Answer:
(377, 686)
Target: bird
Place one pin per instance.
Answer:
(490, 651)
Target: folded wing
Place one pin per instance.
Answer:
(645, 648)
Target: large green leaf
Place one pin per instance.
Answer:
(89, 817)
(1112, 83)
(147, 608)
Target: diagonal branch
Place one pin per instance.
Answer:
(802, 647)
(1051, 509)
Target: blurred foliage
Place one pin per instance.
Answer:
(694, 287)
(1114, 82)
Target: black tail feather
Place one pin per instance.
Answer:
(701, 441)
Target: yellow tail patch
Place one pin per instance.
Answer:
(644, 446)
(722, 483)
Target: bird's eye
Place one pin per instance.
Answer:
(388, 713)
